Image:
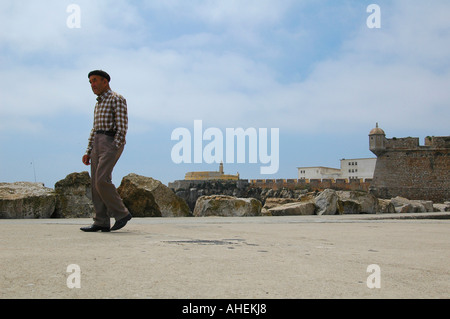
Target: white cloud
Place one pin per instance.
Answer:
(230, 12)
(412, 32)
(396, 74)
(28, 25)
(310, 67)
(40, 91)
(249, 13)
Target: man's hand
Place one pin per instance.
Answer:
(86, 160)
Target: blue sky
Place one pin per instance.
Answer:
(312, 69)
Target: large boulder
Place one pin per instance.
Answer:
(272, 202)
(326, 202)
(385, 206)
(26, 200)
(295, 208)
(356, 202)
(348, 206)
(227, 206)
(404, 205)
(74, 196)
(148, 197)
(445, 207)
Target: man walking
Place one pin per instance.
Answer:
(106, 144)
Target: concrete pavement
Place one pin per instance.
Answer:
(247, 257)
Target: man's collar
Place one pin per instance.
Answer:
(103, 95)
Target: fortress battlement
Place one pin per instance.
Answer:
(405, 168)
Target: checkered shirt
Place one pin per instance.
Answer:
(110, 115)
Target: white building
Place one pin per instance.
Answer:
(357, 168)
(318, 172)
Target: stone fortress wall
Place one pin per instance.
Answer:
(276, 184)
(405, 168)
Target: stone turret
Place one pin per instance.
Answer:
(377, 141)
(406, 169)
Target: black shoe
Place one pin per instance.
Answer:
(94, 228)
(121, 222)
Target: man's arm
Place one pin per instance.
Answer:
(121, 117)
(87, 156)
(90, 143)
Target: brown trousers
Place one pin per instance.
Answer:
(106, 199)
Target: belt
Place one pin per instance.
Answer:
(109, 133)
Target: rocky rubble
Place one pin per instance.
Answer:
(227, 206)
(295, 208)
(73, 196)
(147, 197)
(26, 200)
